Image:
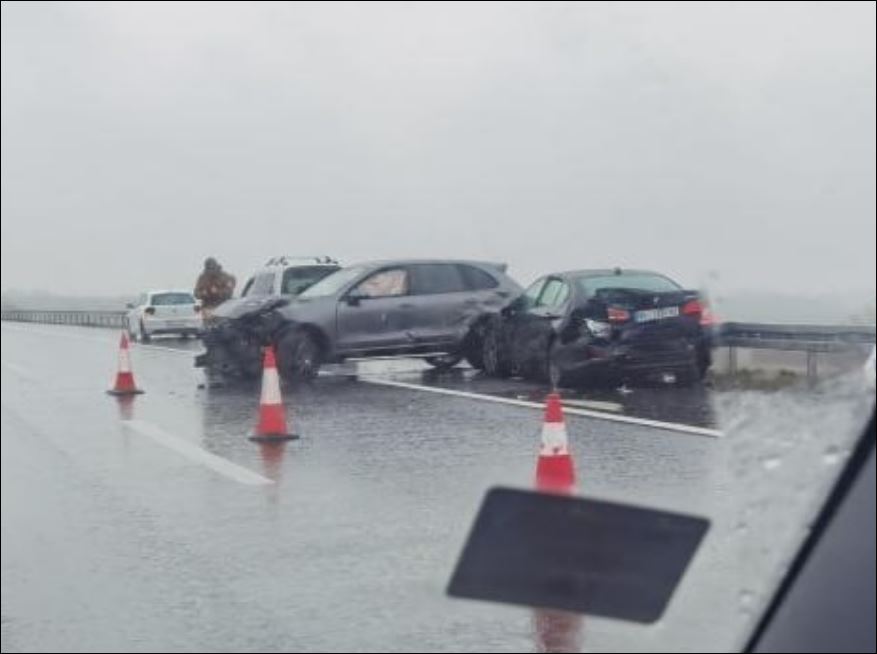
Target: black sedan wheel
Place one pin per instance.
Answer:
(492, 353)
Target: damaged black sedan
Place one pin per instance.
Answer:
(427, 308)
(601, 327)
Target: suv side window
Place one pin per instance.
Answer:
(389, 282)
(476, 279)
(433, 278)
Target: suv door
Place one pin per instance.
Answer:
(439, 301)
(375, 314)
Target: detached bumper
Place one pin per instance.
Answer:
(230, 351)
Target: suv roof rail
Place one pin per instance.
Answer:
(284, 260)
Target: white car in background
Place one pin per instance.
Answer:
(164, 312)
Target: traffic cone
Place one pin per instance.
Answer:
(554, 470)
(272, 416)
(124, 377)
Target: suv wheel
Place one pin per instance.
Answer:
(298, 356)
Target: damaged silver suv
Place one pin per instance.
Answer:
(433, 309)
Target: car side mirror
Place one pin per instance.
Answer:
(353, 299)
(512, 307)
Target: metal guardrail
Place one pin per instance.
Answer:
(115, 319)
(810, 339)
(803, 338)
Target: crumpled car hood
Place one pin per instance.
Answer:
(244, 306)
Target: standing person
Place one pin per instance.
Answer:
(214, 286)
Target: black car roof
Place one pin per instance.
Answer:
(606, 272)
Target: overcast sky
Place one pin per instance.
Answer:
(725, 141)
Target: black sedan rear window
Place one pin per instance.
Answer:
(634, 281)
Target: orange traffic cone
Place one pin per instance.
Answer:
(272, 416)
(554, 470)
(124, 377)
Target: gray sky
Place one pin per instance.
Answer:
(735, 142)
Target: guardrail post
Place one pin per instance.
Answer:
(811, 368)
(732, 360)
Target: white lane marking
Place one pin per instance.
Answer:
(630, 420)
(176, 350)
(39, 331)
(599, 405)
(200, 456)
(21, 371)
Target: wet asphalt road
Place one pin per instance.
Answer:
(118, 532)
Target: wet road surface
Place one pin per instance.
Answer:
(154, 524)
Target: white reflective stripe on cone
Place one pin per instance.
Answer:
(124, 360)
(554, 439)
(270, 387)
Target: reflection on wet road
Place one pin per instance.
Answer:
(117, 535)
